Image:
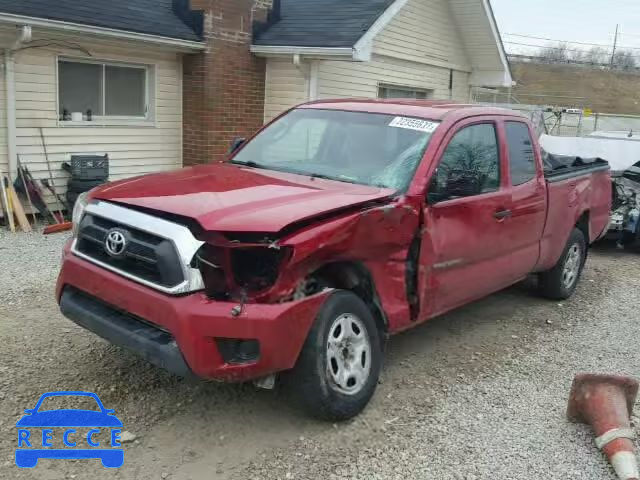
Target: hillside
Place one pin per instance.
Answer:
(563, 85)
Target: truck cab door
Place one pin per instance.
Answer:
(463, 242)
(528, 204)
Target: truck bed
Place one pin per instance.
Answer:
(579, 193)
(558, 167)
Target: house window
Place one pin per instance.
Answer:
(394, 91)
(102, 90)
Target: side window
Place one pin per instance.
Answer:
(522, 161)
(470, 164)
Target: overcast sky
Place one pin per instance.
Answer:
(589, 21)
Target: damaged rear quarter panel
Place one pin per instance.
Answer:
(378, 237)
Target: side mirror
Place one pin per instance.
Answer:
(236, 143)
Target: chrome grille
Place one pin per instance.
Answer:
(158, 253)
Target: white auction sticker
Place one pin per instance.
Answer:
(414, 124)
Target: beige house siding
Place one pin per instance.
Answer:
(419, 49)
(424, 31)
(134, 147)
(362, 80)
(476, 32)
(285, 86)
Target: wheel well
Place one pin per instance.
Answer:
(356, 278)
(583, 226)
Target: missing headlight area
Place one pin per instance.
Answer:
(256, 269)
(213, 265)
(625, 218)
(238, 272)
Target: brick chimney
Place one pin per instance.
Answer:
(223, 87)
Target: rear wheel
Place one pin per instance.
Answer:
(339, 366)
(561, 281)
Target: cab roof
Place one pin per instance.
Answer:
(427, 109)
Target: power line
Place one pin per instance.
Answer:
(621, 47)
(557, 40)
(545, 47)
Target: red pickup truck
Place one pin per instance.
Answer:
(338, 224)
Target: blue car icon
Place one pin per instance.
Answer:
(68, 419)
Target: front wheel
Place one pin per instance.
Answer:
(339, 366)
(561, 281)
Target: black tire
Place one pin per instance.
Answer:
(80, 186)
(311, 383)
(554, 284)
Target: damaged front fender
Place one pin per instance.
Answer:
(367, 250)
(378, 238)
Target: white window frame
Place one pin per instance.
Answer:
(429, 92)
(148, 119)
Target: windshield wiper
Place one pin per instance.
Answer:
(328, 177)
(250, 164)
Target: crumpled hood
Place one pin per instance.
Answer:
(227, 198)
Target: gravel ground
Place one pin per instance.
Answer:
(478, 394)
(29, 263)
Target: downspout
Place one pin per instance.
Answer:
(314, 70)
(24, 35)
(310, 72)
(10, 94)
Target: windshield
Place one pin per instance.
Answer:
(364, 148)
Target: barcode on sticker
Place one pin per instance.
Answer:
(414, 124)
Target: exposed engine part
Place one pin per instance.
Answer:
(309, 286)
(626, 209)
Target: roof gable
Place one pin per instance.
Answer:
(322, 23)
(151, 17)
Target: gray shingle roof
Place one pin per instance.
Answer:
(323, 23)
(153, 17)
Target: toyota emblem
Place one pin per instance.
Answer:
(116, 243)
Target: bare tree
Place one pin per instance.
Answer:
(561, 53)
(596, 55)
(624, 60)
(575, 55)
(555, 53)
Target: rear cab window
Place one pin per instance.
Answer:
(522, 160)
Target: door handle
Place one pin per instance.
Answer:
(502, 214)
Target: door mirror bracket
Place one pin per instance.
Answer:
(236, 143)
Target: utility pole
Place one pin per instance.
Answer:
(615, 45)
